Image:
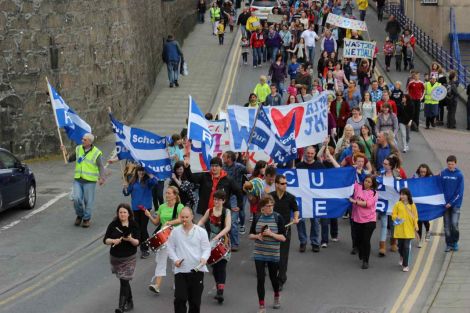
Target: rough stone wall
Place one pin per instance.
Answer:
(96, 53)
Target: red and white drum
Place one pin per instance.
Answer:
(158, 241)
(218, 253)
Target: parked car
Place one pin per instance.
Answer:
(17, 183)
(263, 8)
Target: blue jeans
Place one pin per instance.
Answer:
(314, 231)
(173, 71)
(362, 15)
(325, 229)
(257, 56)
(383, 223)
(451, 225)
(285, 54)
(264, 53)
(243, 30)
(200, 17)
(280, 87)
(234, 238)
(272, 52)
(311, 54)
(83, 199)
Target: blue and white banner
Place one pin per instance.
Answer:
(428, 196)
(321, 193)
(311, 122)
(325, 193)
(198, 130)
(144, 147)
(66, 118)
(280, 149)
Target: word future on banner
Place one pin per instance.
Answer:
(358, 49)
(344, 22)
(220, 137)
(311, 122)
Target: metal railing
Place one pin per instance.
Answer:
(426, 43)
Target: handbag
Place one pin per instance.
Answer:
(184, 68)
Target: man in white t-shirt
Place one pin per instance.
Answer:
(310, 36)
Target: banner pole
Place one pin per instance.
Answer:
(64, 152)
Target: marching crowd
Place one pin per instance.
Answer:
(367, 121)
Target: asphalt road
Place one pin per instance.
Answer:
(48, 265)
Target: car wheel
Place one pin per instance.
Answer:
(31, 197)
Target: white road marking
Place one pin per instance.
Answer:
(34, 212)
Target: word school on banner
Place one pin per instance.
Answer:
(144, 147)
(344, 22)
(358, 49)
(311, 122)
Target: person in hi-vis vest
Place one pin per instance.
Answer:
(89, 169)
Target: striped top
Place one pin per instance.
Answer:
(268, 249)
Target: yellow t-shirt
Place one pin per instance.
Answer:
(220, 29)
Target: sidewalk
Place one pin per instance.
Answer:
(166, 109)
(450, 293)
(421, 63)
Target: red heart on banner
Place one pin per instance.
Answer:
(282, 122)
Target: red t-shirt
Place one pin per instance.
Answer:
(416, 89)
(392, 104)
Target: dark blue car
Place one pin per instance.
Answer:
(17, 183)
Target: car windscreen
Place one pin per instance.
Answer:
(264, 3)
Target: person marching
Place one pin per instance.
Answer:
(267, 230)
(167, 215)
(140, 190)
(405, 219)
(286, 206)
(122, 235)
(189, 249)
(89, 169)
(218, 220)
(363, 216)
(431, 108)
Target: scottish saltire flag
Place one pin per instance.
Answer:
(198, 130)
(144, 147)
(388, 189)
(427, 195)
(321, 193)
(280, 149)
(66, 118)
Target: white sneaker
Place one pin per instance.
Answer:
(420, 244)
(400, 262)
(324, 245)
(154, 289)
(427, 237)
(406, 269)
(335, 239)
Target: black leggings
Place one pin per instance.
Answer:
(125, 290)
(273, 268)
(219, 271)
(420, 227)
(142, 220)
(363, 233)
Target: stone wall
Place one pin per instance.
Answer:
(96, 53)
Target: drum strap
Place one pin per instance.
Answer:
(175, 211)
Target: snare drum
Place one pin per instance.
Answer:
(218, 253)
(158, 241)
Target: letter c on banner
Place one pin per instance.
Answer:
(291, 177)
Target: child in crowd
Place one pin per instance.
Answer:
(405, 221)
(220, 32)
(398, 55)
(245, 44)
(292, 90)
(409, 56)
(293, 67)
(388, 53)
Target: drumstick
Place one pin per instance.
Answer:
(291, 223)
(115, 244)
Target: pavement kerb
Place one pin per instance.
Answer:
(445, 266)
(219, 94)
(50, 266)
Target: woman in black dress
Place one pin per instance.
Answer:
(123, 236)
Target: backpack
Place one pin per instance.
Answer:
(449, 94)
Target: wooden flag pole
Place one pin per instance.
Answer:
(64, 151)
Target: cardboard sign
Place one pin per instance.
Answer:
(358, 49)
